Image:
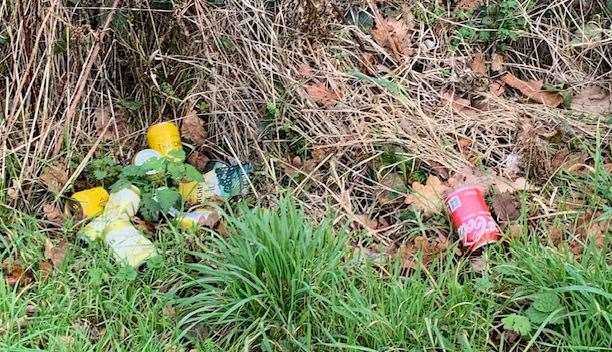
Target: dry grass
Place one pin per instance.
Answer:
(62, 63)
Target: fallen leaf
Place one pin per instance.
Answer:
(458, 104)
(198, 159)
(305, 71)
(589, 226)
(503, 185)
(478, 65)
(427, 248)
(144, 225)
(497, 62)
(393, 36)
(223, 228)
(429, 197)
(364, 221)
(533, 91)
(505, 206)
(468, 5)
(193, 128)
(439, 169)
(54, 176)
(55, 253)
(15, 273)
(53, 213)
(592, 99)
(497, 88)
(555, 234)
(322, 95)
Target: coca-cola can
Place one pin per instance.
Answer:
(471, 217)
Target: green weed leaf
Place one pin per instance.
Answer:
(546, 302)
(167, 198)
(149, 208)
(517, 323)
(192, 174)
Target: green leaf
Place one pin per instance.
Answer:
(546, 302)
(167, 198)
(133, 171)
(535, 316)
(153, 164)
(149, 208)
(177, 154)
(192, 174)
(517, 323)
(100, 174)
(176, 171)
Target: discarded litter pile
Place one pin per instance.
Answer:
(158, 185)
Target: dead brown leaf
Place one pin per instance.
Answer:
(427, 248)
(305, 71)
(503, 185)
(198, 159)
(53, 213)
(594, 100)
(555, 234)
(468, 5)
(55, 253)
(322, 95)
(497, 88)
(439, 169)
(54, 176)
(497, 62)
(505, 205)
(429, 197)
(366, 222)
(394, 36)
(168, 311)
(15, 273)
(457, 103)
(532, 90)
(144, 225)
(478, 65)
(193, 128)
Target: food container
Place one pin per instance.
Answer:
(196, 218)
(164, 137)
(127, 243)
(471, 217)
(88, 203)
(145, 155)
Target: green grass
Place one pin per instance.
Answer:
(282, 283)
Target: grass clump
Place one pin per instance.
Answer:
(269, 286)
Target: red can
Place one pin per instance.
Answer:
(471, 217)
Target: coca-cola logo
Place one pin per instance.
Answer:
(473, 229)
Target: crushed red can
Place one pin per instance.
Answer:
(471, 217)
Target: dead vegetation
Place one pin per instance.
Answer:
(317, 93)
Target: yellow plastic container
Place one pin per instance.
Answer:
(164, 137)
(89, 203)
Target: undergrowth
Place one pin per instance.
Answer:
(281, 283)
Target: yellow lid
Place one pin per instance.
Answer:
(91, 201)
(164, 137)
